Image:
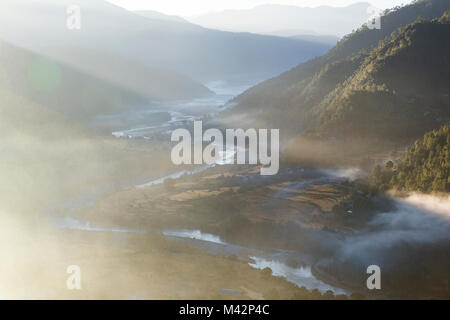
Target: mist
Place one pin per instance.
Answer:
(87, 180)
(403, 242)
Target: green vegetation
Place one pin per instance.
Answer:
(389, 84)
(425, 167)
(399, 92)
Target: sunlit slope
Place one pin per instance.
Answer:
(37, 145)
(50, 83)
(41, 152)
(75, 88)
(47, 156)
(290, 100)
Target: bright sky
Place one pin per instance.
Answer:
(194, 7)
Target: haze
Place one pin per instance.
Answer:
(194, 7)
(88, 176)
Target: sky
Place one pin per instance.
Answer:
(195, 7)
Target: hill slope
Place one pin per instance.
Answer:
(57, 86)
(425, 167)
(159, 16)
(290, 99)
(400, 90)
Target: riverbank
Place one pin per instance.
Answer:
(231, 203)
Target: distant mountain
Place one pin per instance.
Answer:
(332, 40)
(159, 16)
(305, 35)
(68, 90)
(197, 52)
(271, 18)
(150, 82)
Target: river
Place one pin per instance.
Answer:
(412, 221)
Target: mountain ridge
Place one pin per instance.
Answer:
(202, 54)
(260, 19)
(290, 90)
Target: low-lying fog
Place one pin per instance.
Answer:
(417, 229)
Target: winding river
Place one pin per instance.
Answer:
(405, 223)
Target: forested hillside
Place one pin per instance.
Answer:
(400, 91)
(425, 167)
(296, 100)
